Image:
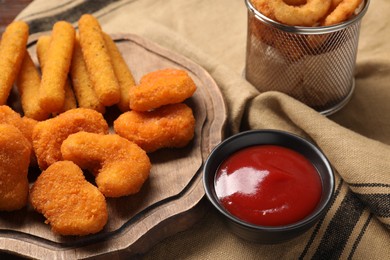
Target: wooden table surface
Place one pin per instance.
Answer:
(9, 9)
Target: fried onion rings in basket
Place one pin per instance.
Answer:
(308, 13)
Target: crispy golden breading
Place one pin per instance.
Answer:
(70, 99)
(161, 87)
(168, 126)
(48, 135)
(27, 82)
(43, 43)
(29, 125)
(82, 85)
(121, 167)
(122, 72)
(56, 67)
(43, 46)
(342, 11)
(70, 204)
(308, 14)
(12, 51)
(15, 151)
(24, 124)
(11, 117)
(98, 61)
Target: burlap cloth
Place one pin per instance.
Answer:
(355, 139)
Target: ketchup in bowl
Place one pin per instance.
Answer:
(268, 185)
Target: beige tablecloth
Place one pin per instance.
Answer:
(355, 139)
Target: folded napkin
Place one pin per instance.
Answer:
(356, 139)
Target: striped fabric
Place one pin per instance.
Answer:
(356, 139)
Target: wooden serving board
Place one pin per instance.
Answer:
(168, 201)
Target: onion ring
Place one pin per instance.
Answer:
(264, 8)
(305, 15)
(342, 12)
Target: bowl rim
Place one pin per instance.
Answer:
(293, 226)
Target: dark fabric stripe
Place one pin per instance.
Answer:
(340, 228)
(370, 185)
(318, 226)
(71, 15)
(312, 237)
(379, 204)
(359, 238)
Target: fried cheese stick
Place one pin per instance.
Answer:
(82, 85)
(122, 72)
(12, 51)
(98, 61)
(56, 67)
(43, 45)
(27, 82)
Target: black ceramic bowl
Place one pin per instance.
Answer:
(269, 234)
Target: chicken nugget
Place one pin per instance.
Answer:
(57, 63)
(29, 125)
(161, 87)
(82, 85)
(12, 51)
(120, 167)
(43, 45)
(48, 135)
(70, 204)
(15, 152)
(98, 61)
(122, 72)
(24, 124)
(27, 82)
(11, 117)
(168, 126)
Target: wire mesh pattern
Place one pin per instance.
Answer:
(316, 69)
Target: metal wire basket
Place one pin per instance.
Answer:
(315, 65)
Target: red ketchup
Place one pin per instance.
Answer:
(268, 185)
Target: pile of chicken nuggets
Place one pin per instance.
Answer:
(63, 131)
